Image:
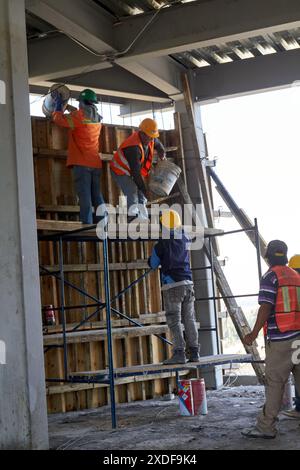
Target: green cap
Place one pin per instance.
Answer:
(88, 95)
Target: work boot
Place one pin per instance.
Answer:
(178, 357)
(193, 355)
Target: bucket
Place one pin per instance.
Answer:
(49, 102)
(192, 397)
(287, 401)
(163, 177)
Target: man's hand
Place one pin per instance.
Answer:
(162, 156)
(71, 108)
(58, 101)
(149, 195)
(249, 339)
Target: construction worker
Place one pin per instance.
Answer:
(83, 151)
(294, 263)
(279, 314)
(172, 254)
(131, 165)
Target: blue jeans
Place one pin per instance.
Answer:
(131, 191)
(297, 401)
(87, 185)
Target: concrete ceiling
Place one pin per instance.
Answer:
(138, 49)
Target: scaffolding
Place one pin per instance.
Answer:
(108, 376)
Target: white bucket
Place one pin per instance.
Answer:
(49, 102)
(163, 177)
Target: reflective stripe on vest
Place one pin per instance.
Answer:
(119, 163)
(70, 121)
(287, 307)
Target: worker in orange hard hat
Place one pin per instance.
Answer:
(131, 165)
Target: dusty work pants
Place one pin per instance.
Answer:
(179, 307)
(279, 365)
(87, 185)
(133, 194)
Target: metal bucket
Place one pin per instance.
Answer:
(49, 102)
(163, 177)
(192, 397)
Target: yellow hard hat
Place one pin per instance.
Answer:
(170, 219)
(294, 262)
(149, 127)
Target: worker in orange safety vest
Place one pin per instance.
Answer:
(294, 263)
(83, 151)
(132, 163)
(279, 299)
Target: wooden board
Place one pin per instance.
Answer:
(147, 368)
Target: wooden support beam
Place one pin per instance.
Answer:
(146, 368)
(58, 389)
(132, 265)
(87, 336)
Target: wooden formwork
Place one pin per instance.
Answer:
(56, 200)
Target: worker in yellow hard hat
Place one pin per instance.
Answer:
(132, 163)
(171, 253)
(294, 263)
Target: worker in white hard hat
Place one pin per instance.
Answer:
(172, 255)
(294, 263)
(132, 163)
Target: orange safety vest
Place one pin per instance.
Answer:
(287, 307)
(119, 163)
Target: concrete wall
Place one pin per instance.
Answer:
(23, 422)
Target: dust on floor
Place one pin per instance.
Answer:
(157, 425)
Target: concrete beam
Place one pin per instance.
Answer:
(59, 56)
(161, 72)
(198, 24)
(81, 19)
(142, 107)
(111, 82)
(23, 413)
(246, 76)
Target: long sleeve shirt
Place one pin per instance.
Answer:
(133, 156)
(84, 133)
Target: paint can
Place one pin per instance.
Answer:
(49, 101)
(49, 315)
(163, 177)
(192, 397)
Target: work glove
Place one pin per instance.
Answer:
(57, 100)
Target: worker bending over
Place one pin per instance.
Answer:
(83, 151)
(178, 290)
(279, 314)
(294, 263)
(131, 165)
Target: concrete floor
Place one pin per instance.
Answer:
(157, 425)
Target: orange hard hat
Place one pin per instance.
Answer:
(149, 127)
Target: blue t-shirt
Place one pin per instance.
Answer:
(173, 257)
(267, 295)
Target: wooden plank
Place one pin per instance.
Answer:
(86, 336)
(58, 389)
(99, 335)
(63, 226)
(146, 368)
(201, 170)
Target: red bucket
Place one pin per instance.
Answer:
(192, 397)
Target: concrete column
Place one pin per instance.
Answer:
(23, 418)
(202, 278)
